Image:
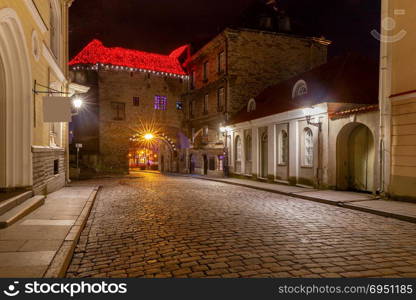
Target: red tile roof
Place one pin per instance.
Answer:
(361, 109)
(346, 79)
(96, 53)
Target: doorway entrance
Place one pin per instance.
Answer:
(356, 158)
(205, 164)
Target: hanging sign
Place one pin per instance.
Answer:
(57, 109)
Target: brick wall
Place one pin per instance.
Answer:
(44, 178)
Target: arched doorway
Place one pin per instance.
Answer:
(205, 164)
(191, 164)
(355, 158)
(264, 155)
(16, 105)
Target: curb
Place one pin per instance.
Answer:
(63, 255)
(339, 204)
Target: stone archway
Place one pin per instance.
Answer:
(355, 158)
(16, 118)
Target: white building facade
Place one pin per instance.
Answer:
(292, 135)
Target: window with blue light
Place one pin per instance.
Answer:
(161, 102)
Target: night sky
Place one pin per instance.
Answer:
(162, 25)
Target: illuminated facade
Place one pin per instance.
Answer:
(398, 98)
(33, 48)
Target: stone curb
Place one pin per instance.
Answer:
(340, 204)
(63, 256)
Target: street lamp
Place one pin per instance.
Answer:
(77, 102)
(148, 136)
(224, 131)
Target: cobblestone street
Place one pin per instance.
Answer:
(172, 226)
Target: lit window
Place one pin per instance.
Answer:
(238, 154)
(161, 102)
(300, 89)
(220, 99)
(179, 105)
(283, 147)
(136, 101)
(308, 148)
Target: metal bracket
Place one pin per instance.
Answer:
(49, 90)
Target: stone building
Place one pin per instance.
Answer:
(398, 98)
(132, 93)
(230, 70)
(33, 55)
(318, 129)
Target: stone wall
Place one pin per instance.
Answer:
(121, 87)
(46, 178)
(259, 59)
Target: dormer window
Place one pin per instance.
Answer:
(299, 89)
(251, 106)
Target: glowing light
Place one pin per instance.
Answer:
(148, 136)
(77, 102)
(95, 53)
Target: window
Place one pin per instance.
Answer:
(119, 111)
(238, 149)
(221, 62)
(161, 102)
(193, 79)
(299, 89)
(136, 101)
(283, 147)
(308, 147)
(206, 102)
(238, 154)
(206, 71)
(220, 99)
(251, 106)
(56, 166)
(248, 147)
(179, 105)
(211, 163)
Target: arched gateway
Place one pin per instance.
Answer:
(355, 158)
(16, 117)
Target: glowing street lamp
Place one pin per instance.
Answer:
(148, 136)
(77, 102)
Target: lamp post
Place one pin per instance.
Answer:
(224, 131)
(307, 112)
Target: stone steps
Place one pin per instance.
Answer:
(12, 202)
(20, 210)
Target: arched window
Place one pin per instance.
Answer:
(238, 154)
(299, 89)
(251, 106)
(248, 147)
(308, 147)
(283, 147)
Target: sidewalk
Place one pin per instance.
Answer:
(358, 201)
(41, 244)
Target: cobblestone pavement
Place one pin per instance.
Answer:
(159, 226)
